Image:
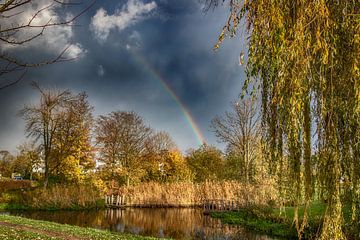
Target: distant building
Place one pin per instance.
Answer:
(16, 176)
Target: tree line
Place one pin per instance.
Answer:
(68, 145)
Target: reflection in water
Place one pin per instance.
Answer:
(178, 223)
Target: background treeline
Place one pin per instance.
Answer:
(67, 145)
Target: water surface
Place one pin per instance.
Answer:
(177, 223)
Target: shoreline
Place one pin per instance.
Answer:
(13, 227)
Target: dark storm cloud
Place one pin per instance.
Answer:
(176, 40)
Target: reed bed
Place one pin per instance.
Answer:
(185, 194)
(10, 184)
(63, 197)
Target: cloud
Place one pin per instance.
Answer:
(134, 41)
(100, 70)
(53, 40)
(130, 13)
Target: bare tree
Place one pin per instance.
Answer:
(122, 138)
(23, 23)
(61, 122)
(160, 142)
(42, 121)
(240, 130)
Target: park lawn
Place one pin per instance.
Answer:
(7, 233)
(273, 222)
(278, 223)
(12, 227)
(257, 223)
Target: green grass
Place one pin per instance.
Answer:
(7, 233)
(64, 229)
(13, 206)
(316, 210)
(276, 223)
(257, 223)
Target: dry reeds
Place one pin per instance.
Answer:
(184, 194)
(10, 184)
(63, 197)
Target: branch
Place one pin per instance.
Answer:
(14, 82)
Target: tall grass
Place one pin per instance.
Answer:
(63, 197)
(192, 194)
(10, 184)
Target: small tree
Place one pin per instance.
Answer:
(240, 130)
(6, 160)
(159, 147)
(206, 163)
(27, 160)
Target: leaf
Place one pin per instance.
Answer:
(241, 58)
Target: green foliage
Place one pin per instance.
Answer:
(254, 222)
(206, 163)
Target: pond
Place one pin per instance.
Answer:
(177, 223)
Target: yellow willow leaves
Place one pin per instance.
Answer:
(221, 38)
(307, 52)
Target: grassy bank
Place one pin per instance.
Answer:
(21, 228)
(257, 222)
(272, 222)
(13, 206)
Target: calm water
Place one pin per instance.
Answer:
(177, 223)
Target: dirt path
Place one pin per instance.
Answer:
(43, 232)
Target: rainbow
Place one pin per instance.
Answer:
(156, 75)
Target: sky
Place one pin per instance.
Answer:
(153, 57)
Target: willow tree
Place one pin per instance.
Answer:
(306, 56)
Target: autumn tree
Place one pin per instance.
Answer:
(27, 160)
(159, 142)
(6, 160)
(121, 138)
(72, 151)
(240, 130)
(61, 123)
(306, 56)
(206, 163)
(174, 168)
(25, 23)
(158, 146)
